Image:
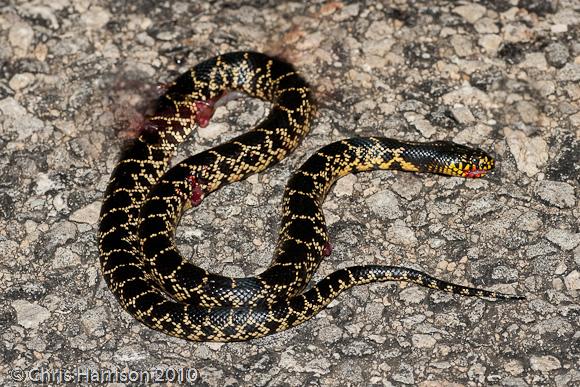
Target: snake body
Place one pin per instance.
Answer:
(143, 204)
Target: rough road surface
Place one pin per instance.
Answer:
(76, 78)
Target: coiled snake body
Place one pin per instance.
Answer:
(142, 206)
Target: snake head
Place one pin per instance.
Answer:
(453, 159)
(478, 165)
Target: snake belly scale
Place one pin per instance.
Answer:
(143, 203)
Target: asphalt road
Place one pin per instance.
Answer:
(77, 76)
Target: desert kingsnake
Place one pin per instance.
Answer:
(142, 206)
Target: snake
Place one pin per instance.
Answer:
(145, 200)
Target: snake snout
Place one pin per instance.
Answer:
(486, 163)
(478, 164)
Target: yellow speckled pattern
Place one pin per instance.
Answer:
(143, 204)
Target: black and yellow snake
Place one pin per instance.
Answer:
(143, 204)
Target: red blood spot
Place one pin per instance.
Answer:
(203, 112)
(327, 249)
(197, 193)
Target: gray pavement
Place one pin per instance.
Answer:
(76, 76)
